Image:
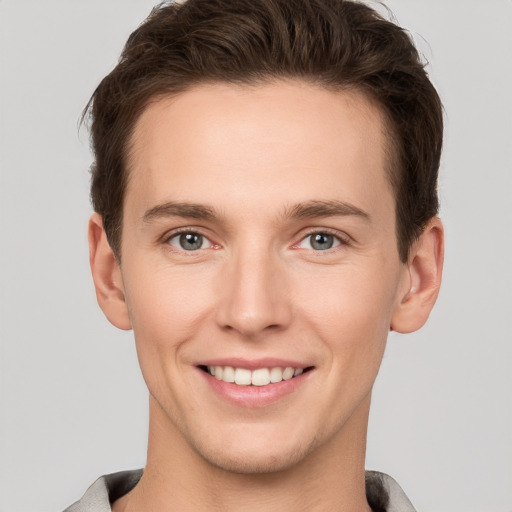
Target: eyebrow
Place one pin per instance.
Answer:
(179, 209)
(333, 208)
(307, 210)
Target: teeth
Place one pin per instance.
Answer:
(229, 374)
(242, 377)
(288, 373)
(259, 377)
(276, 375)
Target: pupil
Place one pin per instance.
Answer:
(321, 241)
(191, 241)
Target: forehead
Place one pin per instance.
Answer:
(240, 144)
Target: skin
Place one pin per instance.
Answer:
(252, 165)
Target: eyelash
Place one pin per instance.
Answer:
(185, 231)
(341, 239)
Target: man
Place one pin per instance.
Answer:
(265, 201)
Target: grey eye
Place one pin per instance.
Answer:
(321, 241)
(188, 241)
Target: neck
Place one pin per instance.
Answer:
(176, 478)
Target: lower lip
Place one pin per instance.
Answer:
(254, 396)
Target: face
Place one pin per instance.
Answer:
(259, 245)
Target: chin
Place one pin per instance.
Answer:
(250, 464)
(255, 458)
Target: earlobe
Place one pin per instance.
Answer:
(106, 275)
(425, 269)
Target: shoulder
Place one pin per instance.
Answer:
(105, 490)
(385, 495)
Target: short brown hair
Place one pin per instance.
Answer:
(336, 44)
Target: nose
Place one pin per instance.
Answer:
(254, 297)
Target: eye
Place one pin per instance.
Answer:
(189, 241)
(319, 241)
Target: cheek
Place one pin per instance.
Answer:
(164, 297)
(351, 308)
(167, 309)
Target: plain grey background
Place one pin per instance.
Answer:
(73, 403)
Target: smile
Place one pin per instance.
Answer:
(254, 383)
(256, 377)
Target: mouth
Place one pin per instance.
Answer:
(259, 377)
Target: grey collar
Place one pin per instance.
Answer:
(382, 492)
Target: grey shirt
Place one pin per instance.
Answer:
(383, 493)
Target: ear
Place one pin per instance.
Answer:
(421, 288)
(106, 275)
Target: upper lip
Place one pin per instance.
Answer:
(253, 364)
